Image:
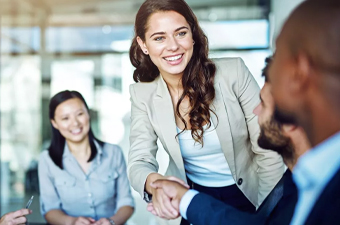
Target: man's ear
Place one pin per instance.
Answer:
(142, 45)
(303, 71)
(54, 124)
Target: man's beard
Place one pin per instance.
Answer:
(283, 117)
(272, 138)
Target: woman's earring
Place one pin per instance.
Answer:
(146, 51)
(193, 42)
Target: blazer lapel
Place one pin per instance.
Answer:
(222, 125)
(167, 124)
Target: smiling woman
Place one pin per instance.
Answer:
(170, 47)
(72, 120)
(200, 109)
(82, 179)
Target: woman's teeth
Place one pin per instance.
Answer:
(173, 58)
(75, 131)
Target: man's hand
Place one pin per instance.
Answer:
(14, 218)
(172, 189)
(161, 203)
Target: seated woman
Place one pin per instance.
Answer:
(82, 180)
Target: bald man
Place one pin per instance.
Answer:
(305, 79)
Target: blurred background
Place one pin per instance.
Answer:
(51, 45)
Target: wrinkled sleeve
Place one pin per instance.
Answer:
(270, 164)
(143, 145)
(49, 198)
(124, 197)
(206, 210)
(185, 202)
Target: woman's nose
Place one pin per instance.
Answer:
(172, 44)
(75, 122)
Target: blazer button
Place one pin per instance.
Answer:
(240, 181)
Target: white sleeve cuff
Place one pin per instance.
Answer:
(185, 202)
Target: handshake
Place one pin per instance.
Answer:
(166, 197)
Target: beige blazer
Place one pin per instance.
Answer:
(255, 171)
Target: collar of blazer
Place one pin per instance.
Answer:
(166, 119)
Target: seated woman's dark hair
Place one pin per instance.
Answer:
(56, 148)
(198, 76)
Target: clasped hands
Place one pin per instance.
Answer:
(166, 197)
(90, 221)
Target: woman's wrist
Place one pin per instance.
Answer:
(151, 178)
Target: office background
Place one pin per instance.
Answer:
(51, 45)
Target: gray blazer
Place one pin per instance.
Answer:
(255, 171)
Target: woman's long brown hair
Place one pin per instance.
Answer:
(198, 76)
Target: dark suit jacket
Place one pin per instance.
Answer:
(205, 210)
(327, 208)
(284, 210)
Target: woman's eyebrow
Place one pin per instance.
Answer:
(157, 33)
(162, 32)
(180, 28)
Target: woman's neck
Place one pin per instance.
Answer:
(173, 82)
(81, 150)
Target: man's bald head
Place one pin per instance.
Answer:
(314, 29)
(305, 75)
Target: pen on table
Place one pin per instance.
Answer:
(29, 202)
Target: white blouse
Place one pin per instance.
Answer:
(207, 165)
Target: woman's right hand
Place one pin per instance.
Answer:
(161, 202)
(83, 221)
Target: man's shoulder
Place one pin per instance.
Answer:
(327, 207)
(332, 188)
